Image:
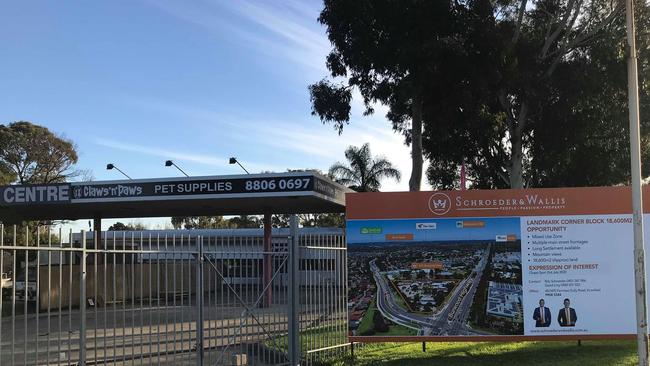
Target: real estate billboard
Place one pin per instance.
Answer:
(523, 264)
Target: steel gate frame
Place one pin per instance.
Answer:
(249, 310)
(304, 296)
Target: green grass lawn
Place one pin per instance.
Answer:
(366, 322)
(314, 338)
(393, 330)
(396, 330)
(497, 354)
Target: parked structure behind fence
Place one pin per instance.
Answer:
(169, 297)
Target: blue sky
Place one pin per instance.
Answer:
(446, 229)
(138, 82)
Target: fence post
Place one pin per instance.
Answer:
(199, 301)
(294, 294)
(82, 301)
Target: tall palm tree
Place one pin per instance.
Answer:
(364, 174)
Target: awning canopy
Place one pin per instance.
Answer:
(293, 192)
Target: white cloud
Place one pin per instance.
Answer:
(165, 153)
(286, 26)
(210, 160)
(292, 34)
(307, 142)
(288, 30)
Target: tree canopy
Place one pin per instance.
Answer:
(199, 222)
(33, 154)
(134, 226)
(526, 93)
(364, 172)
(540, 98)
(387, 50)
(311, 220)
(216, 222)
(255, 222)
(245, 222)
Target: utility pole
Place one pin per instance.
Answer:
(637, 195)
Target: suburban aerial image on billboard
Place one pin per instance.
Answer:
(435, 277)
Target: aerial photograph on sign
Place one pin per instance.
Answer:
(435, 277)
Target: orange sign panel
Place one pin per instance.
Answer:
(394, 237)
(497, 202)
(427, 265)
(473, 224)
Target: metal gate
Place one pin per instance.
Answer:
(323, 299)
(172, 297)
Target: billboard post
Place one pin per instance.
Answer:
(637, 196)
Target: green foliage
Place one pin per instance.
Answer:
(245, 221)
(31, 154)
(385, 49)
(310, 220)
(526, 93)
(216, 222)
(28, 234)
(322, 220)
(379, 323)
(366, 326)
(199, 222)
(538, 97)
(133, 226)
(389, 51)
(331, 103)
(6, 175)
(255, 222)
(364, 173)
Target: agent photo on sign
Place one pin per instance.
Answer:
(567, 316)
(542, 315)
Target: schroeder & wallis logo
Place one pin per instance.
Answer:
(439, 203)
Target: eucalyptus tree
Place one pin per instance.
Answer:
(525, 93)
(32, 154)
(539, 97)
(387, 50)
